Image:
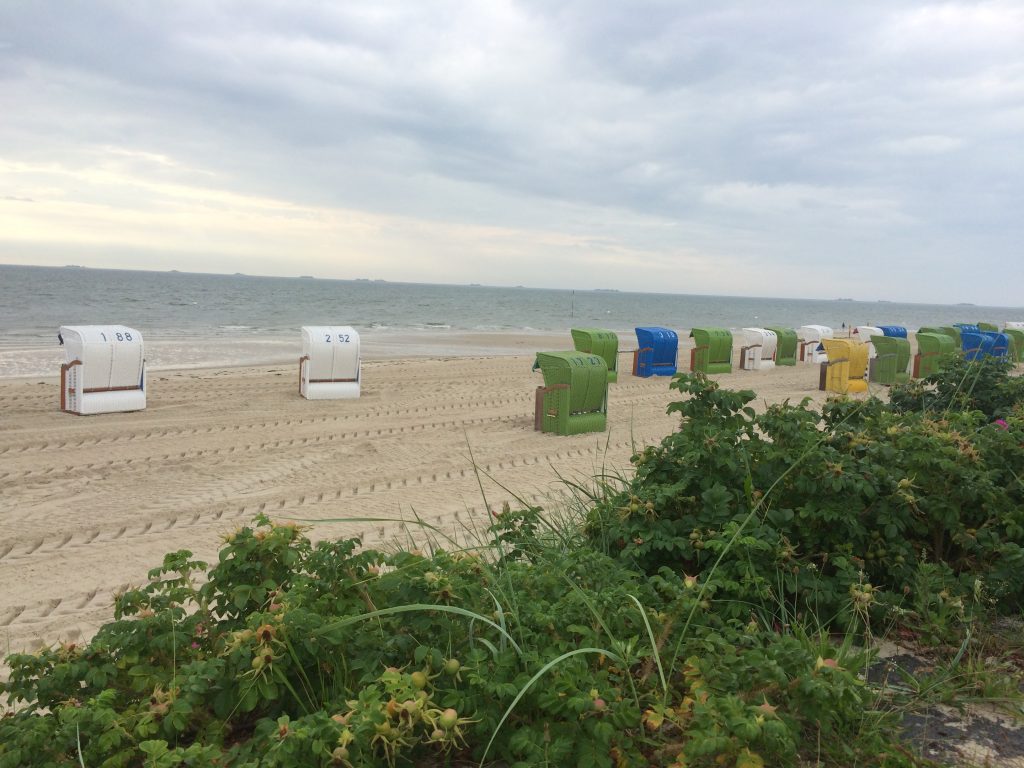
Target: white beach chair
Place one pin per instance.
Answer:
(811, 349)
(329, 368)
(757, 352)
(104, 369)
(863, 334)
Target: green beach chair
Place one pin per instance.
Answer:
(596, 341)
(1017, 341)
(988, 327)
(892, 361)
(785, 351)
(574, 398)
(934, 351)
(713, 351)
(952, 330)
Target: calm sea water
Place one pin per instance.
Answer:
(198, 319)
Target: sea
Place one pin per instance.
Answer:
(193, 320)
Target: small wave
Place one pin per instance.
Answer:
(235, 327)
(436, 325)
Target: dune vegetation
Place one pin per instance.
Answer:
(720, 605)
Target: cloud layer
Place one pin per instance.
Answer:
(818, 149)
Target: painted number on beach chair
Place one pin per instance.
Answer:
(341, 338)
(118, 335)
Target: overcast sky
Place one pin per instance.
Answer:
(865, 149)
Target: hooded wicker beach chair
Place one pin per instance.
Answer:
(574, 398)
(596, 341)
(330, 366)
(809, 338)
(758, 350)
(713, 350)
(847, 366)
(104, 369)
(934, 351)
(657, 350)
(786, 351)
(893, 360)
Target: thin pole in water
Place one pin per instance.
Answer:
(572, 304)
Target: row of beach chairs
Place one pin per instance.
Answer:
(574, 397)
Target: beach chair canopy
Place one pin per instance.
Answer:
(657, 350)
(967, 327)
(975, 345)
(893, 360)
(934, 351)
(712, 352)
(599, 342)
(930, 329)
(329, 368)
(104, 369)
(758, 349)
(575, 394)
(1018, 324)
(896, 331)
(847, 366)
(786, 351)
(987, 327)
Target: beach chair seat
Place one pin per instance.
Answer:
(330, 365)
(657, 352)
(104, 369)
(845, 372)
(892, 361)
(574, 398)
(597, 341)
(786, 349)
(712, 352)
(757, 352)
(810, 349)
(934, 351)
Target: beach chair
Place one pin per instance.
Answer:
(863, 334)
(892, 361)
(987, 327)
(757, 352)
(1015, 324)
(810, 349)
(712, 352)
(104, 369)
(1017, 340)
(657, 350)
(785, 352)
(934, 351)
(329, 368)
(596, 341)
(1000, 344)
(847, 366)
(975, 345)
(574, 398)
(954, 332)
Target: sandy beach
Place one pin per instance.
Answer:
(90, 504)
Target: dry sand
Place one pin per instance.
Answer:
(90, 504)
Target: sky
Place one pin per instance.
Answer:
(871, 150)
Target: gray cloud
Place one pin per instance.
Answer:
(851, 141)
